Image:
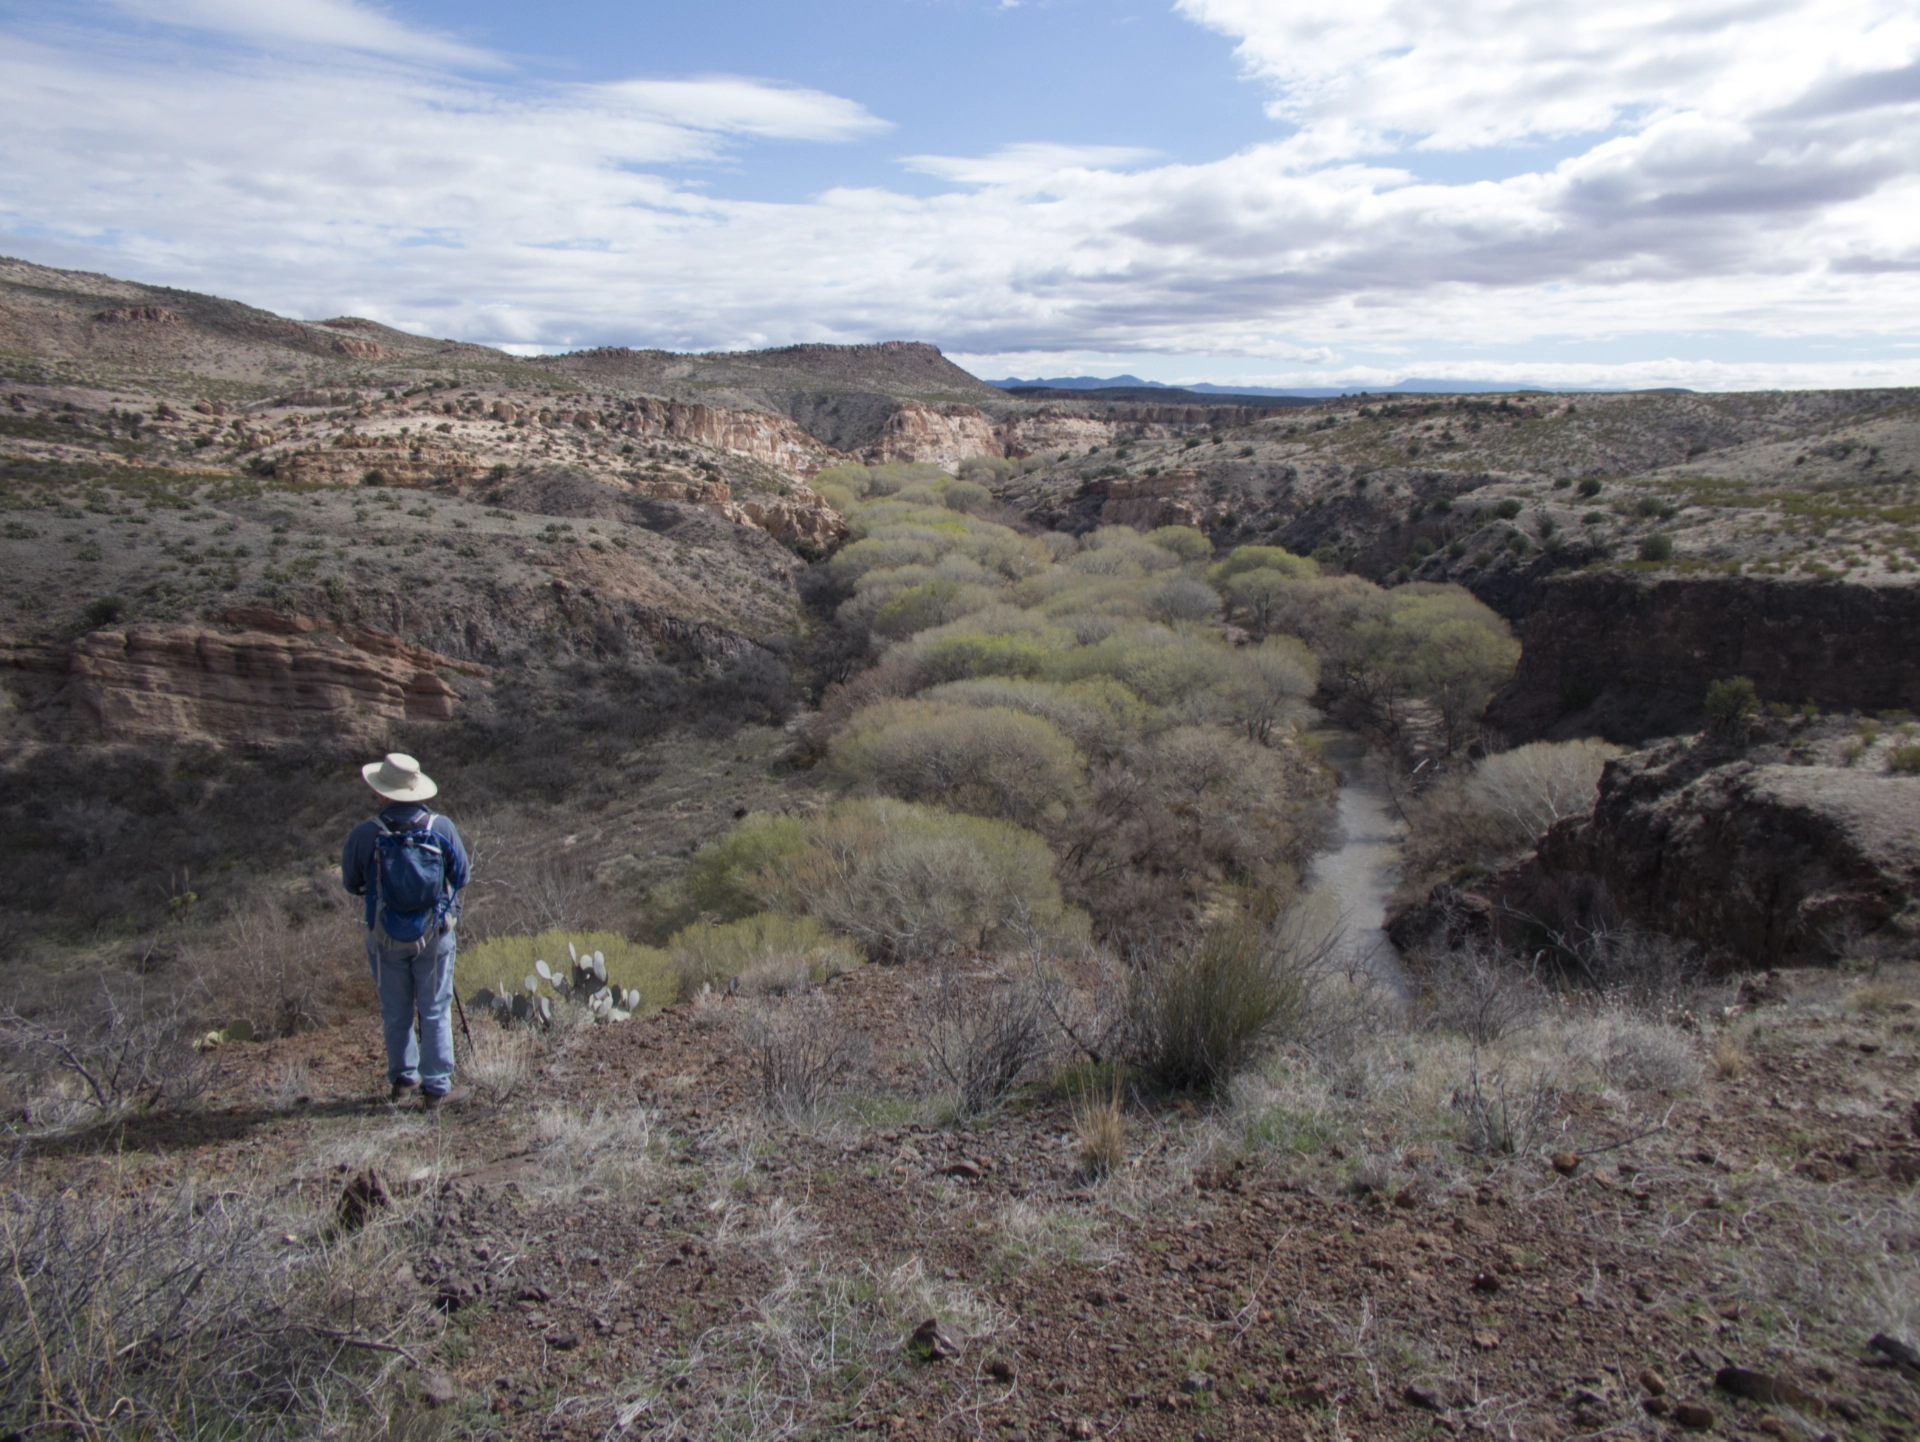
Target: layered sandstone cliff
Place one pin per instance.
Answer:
(270, 677)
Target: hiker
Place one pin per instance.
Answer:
(409, 864)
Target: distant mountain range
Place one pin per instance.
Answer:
(1416, 386)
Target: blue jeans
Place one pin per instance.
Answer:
(420, 986)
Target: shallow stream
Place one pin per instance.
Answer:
(1348, 884)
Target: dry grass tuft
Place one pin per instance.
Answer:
(1872, 998)
(1101, 1127)
(181, 1317)
(1729, 1057)
(500, 1063)
(595, 1152)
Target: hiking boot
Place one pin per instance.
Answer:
(401, 1091)
(433, 1101)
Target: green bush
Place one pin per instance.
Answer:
(1264, 558)
(1099, 715)
(766, 951)
(1184, 541)
(103, 611)
(1656, 548)
(502, 962)
(1200, 1012)
(1904, 760)
(1590, 487)
(968, 496)
(990, 760)
(912, 882)
(725, 875)
(1732, 700)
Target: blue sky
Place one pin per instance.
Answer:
(1714, 193)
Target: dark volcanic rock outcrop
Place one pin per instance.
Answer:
(1628, 658)
(1753, 856)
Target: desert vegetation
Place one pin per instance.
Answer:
(889, 1007)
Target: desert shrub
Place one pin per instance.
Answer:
(102, 611)
(803, 1053)
(1098, 715)
(724, 874)
(1278, 559)
(1378, 649)
(1184, 541)
(910, 881)
(181, 1315)
(1180, 598)
(1635, 970)
(278, 977)
(765, 952)
(968, 496)
(1731, 700)
(1535, 785)
(1904, 760)
(1474, 992)
(498, 1063)
(80, 1059)
(501, 962)
(989, 760)
(1178, 816)
(1637, 1054)
(1162, 665)
(1656, 547)
(1254, 596)
(1201, 1009)
(943, 655)
(1269, 683)
(1506, 1114)
(980, 1045)
(935, 602)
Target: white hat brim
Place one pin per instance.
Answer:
(421, 787)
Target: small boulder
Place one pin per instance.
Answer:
(936, 1340)
(362, 1196)
(1694, 1416)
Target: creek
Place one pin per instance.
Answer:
(1348, 885)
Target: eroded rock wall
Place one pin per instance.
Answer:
(1629, 658)
(272, 677)
(1751, 854)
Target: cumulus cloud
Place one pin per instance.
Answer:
(1738, 166)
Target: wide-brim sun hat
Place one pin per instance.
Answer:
(399, 778)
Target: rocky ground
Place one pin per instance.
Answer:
(1697, 1229)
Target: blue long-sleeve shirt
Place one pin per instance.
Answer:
(358, 872)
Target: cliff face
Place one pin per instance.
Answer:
(942, 435)
(1629, 659)
(1759, 855)
(275, 677)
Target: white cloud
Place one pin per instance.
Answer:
(742, 106)
(1758, 171)
(1027, 165)
(332, 24)
(1357, 76)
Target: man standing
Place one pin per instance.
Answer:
(409, 864)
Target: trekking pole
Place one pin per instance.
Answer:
(464, 1028)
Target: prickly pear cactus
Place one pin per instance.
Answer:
(541, 994)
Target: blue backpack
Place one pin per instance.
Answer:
(411, 877)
